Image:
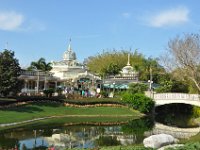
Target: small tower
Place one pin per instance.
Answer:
(128, 63)
(69, 55)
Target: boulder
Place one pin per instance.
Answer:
(159, 140)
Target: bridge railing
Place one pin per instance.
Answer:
(175, 96)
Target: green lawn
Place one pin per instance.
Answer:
(120, 148)
(39, 110)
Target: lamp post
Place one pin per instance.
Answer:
(38, 74)
(113, 88)
(150, 81)
(38, 81)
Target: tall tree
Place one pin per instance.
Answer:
(113, 69)
(9, 72)
(114, 60)
(111, 62)
(41, 64)
(183, 54)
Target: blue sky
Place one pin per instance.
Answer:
(42, 28)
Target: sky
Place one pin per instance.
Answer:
(42, 28)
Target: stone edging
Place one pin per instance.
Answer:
(50, 117)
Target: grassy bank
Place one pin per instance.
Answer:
(39, 110)
(120, 148)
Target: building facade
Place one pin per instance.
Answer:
(64, 74)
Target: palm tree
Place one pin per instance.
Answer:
(41, 65)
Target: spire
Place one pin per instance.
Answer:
(69, 47)
(128, 63)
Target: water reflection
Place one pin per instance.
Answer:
(178, 115)
(79, 136)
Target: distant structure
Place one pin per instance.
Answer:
(70, 71)
(65, 73)
(126, 76)
(68, 68)
(128, 72)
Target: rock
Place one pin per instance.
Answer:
(159, 140)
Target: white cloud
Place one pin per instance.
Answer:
(13, 21)
(10, 20)
(170, 17)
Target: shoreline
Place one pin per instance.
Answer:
(64, 116)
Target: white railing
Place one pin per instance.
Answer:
(175, 96)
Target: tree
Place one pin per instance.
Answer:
(112, 69)
(137, 88)
(9, 72)
(40, 65)
(151, 64)
(111, 62)
(100, 63)
(183, 54)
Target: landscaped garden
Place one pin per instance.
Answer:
(26, 110)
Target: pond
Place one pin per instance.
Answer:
(75, 136)
(62, 134)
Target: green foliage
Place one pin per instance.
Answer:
(111, 62)
(165, 87)
(59, 91)
(137, 88)
(139, 102)
(9, 73)
(178, 86)
(179, 115)
(196, 111)
(192, 88)
(123, 148)
(173, 86)
(151, 64)
(40, 65)
(104, 93)
(49, 92)
(112, 69)
(138, 126)
(187, 146)
(107, 141)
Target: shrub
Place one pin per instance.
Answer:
(104, 93)
(137, 88)
(187, 146)
(196, 111)
(59, 91)
(139, 102)
(48, 92)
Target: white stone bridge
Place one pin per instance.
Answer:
(170, 98)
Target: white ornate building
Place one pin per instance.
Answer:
(68, 68)
(67, 72)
